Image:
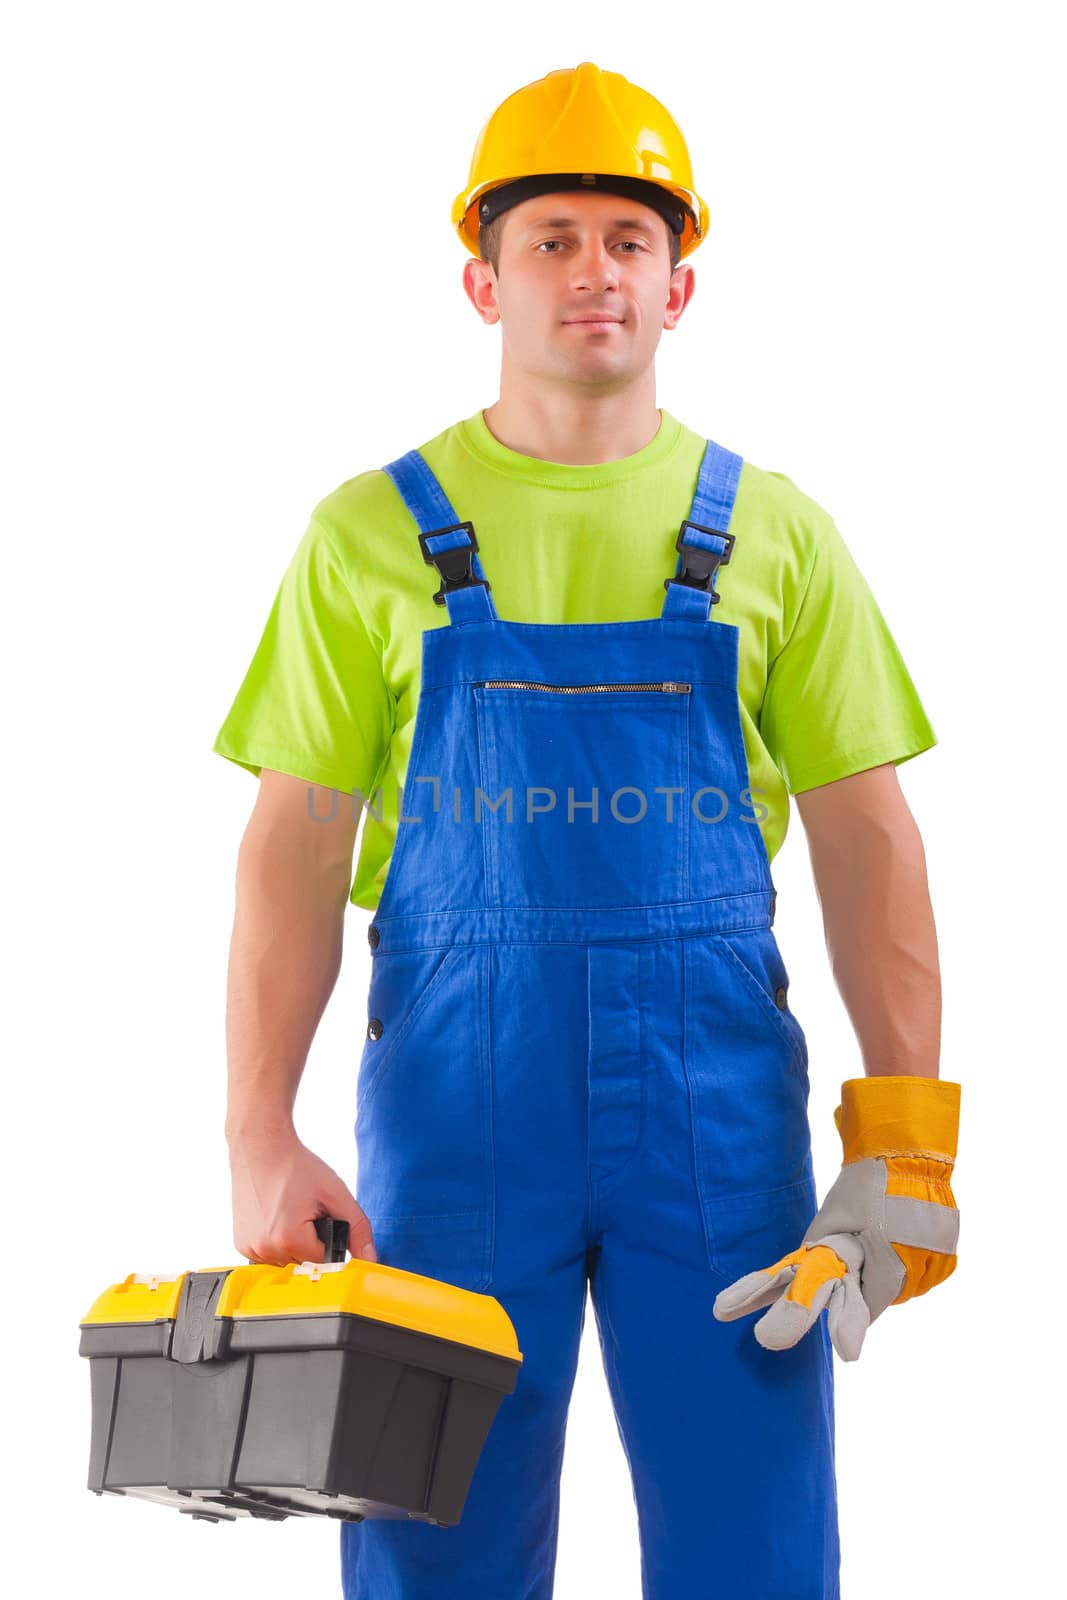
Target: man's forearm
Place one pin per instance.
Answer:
(285, 955)
(870, 873)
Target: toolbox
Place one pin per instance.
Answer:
(344, 1389)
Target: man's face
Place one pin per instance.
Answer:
(585, 287)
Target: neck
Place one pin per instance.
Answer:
(574, 429)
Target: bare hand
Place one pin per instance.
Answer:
(279, 1188)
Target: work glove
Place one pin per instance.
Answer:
(887, 1229)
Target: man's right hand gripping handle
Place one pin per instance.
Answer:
(279, 1188)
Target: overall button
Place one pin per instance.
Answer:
(373, 936)
(780, 997)
(374, 1028)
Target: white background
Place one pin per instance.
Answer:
(232, 285)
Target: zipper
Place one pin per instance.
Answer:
(663, 687)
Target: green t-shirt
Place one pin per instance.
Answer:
(331, 692)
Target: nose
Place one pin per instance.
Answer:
(594, 266)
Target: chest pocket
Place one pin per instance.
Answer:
(584, 792)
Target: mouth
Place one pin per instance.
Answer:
(592, 322)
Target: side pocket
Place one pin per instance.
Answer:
(759, 963)
(424, 1118)
(748, 1107)
(402, 986)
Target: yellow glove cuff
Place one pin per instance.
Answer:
(898, 1116)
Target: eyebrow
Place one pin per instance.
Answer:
(637, 223)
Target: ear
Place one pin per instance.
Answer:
(479, 281)
(683, 282)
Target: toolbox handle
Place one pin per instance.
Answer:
(334, 1234)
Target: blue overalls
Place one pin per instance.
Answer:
(581, 1066)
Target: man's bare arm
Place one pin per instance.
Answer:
(870, 873)
(293, 879)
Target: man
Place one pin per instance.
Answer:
(581, 1066)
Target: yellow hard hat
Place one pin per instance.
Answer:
(580, 128)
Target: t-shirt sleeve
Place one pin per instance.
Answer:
(314, 701)
(839, 698)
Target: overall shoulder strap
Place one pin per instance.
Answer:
(703, 540)
(447, 543)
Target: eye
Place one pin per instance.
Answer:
(635, 243)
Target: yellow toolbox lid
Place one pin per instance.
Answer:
(314, 1288)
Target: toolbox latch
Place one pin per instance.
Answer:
(199, 1335)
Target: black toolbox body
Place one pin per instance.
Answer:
(346, 1389)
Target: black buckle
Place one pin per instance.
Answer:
(455, 566)
(699, 565)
